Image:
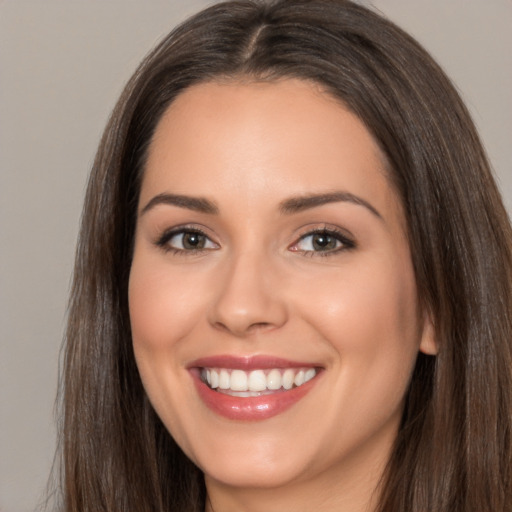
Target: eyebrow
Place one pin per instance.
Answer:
(287, 207)
(301, 203)
(197, 204)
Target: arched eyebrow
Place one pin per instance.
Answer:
(301, 203)
(286, 207)
(197, 204)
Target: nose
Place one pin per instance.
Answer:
(249, 297)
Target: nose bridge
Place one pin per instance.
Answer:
(248, 297)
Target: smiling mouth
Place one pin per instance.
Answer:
(241, 383)
(252, 388)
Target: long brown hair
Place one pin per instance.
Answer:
(454, 449)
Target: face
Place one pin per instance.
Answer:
(272, 297)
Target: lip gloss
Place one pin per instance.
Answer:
(253, 408)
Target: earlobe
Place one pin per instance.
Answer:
(428, 344)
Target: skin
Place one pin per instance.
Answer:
(260, 288)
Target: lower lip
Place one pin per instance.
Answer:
(254, 408)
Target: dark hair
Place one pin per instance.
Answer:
(454, 449)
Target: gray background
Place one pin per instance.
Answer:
(62, 66)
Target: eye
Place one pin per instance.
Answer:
(322, 241)
(186, 240)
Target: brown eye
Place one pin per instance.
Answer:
(186, 241)
(324, 242)
(319, 242)
(192, 240)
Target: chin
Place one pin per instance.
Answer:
(250, 459)
(256, 474)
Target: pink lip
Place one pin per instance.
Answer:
(248, 408)
(247, 363)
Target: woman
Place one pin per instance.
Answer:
(293, 280)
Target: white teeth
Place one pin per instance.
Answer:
(274, 379)
(224, 379)
(257, 381)
(238, 380)
(309, 374)
(245, 394)
(288, 378)
(299, 378)
(252, 383)
(214, 382)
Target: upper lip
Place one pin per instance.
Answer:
(255, 362)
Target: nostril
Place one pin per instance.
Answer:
(248, 309)
(257, 326)
(244, 329)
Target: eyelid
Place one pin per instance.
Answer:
(163, 239)
(347, 241)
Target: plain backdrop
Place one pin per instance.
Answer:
(62, 65)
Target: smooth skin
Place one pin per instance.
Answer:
(329, 283)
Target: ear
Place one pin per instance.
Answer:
(428, 343)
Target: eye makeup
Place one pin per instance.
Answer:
(191, 240)
(324, 241)
(185, 239)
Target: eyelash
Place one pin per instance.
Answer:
(346, 243)
(166, 237)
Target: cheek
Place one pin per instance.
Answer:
(163, 304)
(367, 296)
(369, 321)
(163, 310)
(369, 317)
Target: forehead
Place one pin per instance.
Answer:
(275, 138)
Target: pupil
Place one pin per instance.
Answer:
(193, 241)
(322, 242)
